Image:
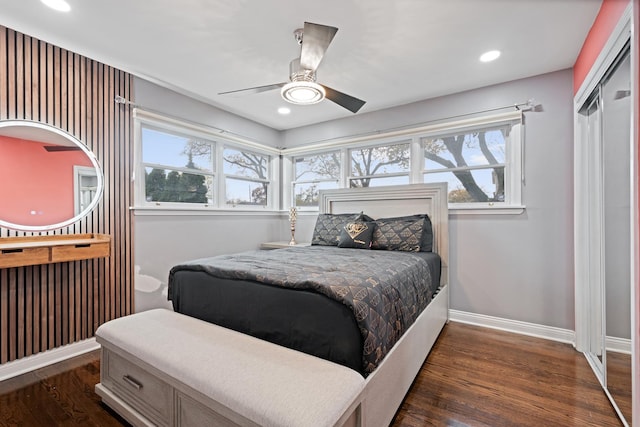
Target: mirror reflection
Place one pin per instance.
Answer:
(616, 152)
(48, 178)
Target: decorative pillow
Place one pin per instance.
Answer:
(357, 235)
(406, 233)
(329, 226)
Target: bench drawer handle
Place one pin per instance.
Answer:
(132, 382)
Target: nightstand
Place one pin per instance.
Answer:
(281, 244)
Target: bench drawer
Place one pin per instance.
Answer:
(139, 388)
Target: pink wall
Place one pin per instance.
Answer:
(36, 186)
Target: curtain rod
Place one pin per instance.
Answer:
(529, 105)
(123, 101)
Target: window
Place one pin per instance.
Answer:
(381, 165)
(186, 166)
(313, 173)
(177, 168)
(475, 164)
(246, 177)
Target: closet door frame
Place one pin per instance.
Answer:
(584, 203)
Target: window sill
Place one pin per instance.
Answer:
(181, 211)
(487, 210)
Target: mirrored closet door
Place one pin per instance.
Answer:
(616, 184)
(606, 125)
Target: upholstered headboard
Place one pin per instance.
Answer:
(398, 200)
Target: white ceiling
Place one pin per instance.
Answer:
(386, 52)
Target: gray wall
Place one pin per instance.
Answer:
(518, 267)
(158, 99)
(163, 241)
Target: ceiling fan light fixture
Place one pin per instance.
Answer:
(303, 93)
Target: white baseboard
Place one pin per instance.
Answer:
(516, 326)
(46, 358)
(619, 345)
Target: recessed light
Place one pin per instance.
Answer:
(59, 5)
(284, 110)
(490, 56)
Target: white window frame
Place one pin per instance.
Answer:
(388, 143)
(223, 177)
(514, 157)
(293, 182)
(513, 177)
(143, 118)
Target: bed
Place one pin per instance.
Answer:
(306, 318)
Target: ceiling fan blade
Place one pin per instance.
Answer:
(342, 99)
(315, 41)
(257, 89)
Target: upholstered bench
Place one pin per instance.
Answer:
(163, 368)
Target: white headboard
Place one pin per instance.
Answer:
(398, 200)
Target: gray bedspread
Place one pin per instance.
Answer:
(386, 290)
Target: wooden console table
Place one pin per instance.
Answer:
(34, 250)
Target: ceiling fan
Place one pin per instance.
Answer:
(302, 89)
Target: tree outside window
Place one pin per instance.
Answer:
(167, 178)
(313, 173)
(246, 177)
(382, 165)
(473, 164)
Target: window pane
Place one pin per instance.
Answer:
(245, 163)
(241, 192)
(319, 166)
(377, 182)
(480, 185)
(380, 160)
(307, 194)
(486, 147)
(163, 185)
(166, 149)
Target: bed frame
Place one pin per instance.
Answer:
(387, 386)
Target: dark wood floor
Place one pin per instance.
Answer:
(473, 377)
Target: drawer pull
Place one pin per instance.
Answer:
(83, 245)
(132, 382)
(11, 251)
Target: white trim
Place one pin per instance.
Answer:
(635, 241)
(207, 131)
(515, 326)
(407, 132)
(583, 194)
(488, 210)
(618, 38)
(618, 345)
(186, 211)
(46, 358)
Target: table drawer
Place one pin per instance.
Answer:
(17, 257)
(142, 390)
(80, 251)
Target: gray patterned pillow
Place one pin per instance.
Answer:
(407, 233)
(329, 226)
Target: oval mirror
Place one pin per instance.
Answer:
(48, 178)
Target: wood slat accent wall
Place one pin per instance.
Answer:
(47, 306)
